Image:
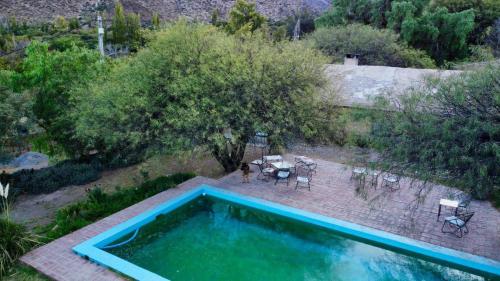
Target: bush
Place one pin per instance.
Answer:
(66, 43)
(375, 46)
(55, 177)
(447, 131)
(100, 204)
(14, 242)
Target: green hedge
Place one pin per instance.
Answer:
(50, 179)
(99, 204)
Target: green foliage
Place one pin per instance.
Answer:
(133, 30)
(17, 119)
(376, 46)
(495, 196)
(50, 179)
(448, 131)
(126, 28)
(372, 12)
(428, 25)
(61, 24)
(64, 43)
(244, 18)
(14, 242)
(442, 34)
(119, 25)
(74, 23)
(493, 38)
(191, 84)
(306, 24)
(100, 204)
(51, 76)
(486, 12)
(479, 53)
(155, 21)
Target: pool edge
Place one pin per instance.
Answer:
(89, 248)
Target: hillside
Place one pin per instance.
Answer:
(42, 10)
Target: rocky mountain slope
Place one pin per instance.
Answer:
(43, 10)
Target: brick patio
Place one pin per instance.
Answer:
(332, 194)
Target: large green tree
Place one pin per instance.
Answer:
(193, 85)
(441, 33)
(447, 131)
(51, 76)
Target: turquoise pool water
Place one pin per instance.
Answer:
(211, 239)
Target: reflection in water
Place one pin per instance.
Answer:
(210, 239)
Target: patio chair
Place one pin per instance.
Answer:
(264, 171)
(391, 181)
(373, 178)
(304, 177)
(464, 200)
(313, 167)
(457, 224)
(282, 175)
(358, 174)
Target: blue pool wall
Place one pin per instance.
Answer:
(91, 249)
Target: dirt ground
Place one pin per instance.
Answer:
(36, 210)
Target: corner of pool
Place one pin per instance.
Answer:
(94, 248)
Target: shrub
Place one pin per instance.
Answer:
(62, 44)
(99, 204)
(55, 177)
(14, 242)
(447, 131)
(375, 46)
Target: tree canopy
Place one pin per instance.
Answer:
(376, 46)
(193, 85)
(51, 76)
(447, 131)
(440, 28)
(243, 18)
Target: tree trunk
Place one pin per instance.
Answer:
(230, 155)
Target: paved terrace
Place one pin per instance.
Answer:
(332, 194)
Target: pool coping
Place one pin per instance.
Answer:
(90, 248)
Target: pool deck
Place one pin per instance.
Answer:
(332, 194)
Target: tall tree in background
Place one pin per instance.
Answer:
(133, 30)
(155, 20)
(442, 34)
(244, 18)
(119, 25)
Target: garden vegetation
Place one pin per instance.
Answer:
(447, 131)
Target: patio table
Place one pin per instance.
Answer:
(273, 158)
(447, 203)
(283, 165)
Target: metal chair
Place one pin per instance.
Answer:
(373, 178)
(264, 171)
(304, 178)
(457, 224)
(358, 174)
(464, 200)
(283, 174)
(391, 181)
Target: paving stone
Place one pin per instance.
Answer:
(332, 194)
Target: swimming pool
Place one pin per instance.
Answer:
(211, 234)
